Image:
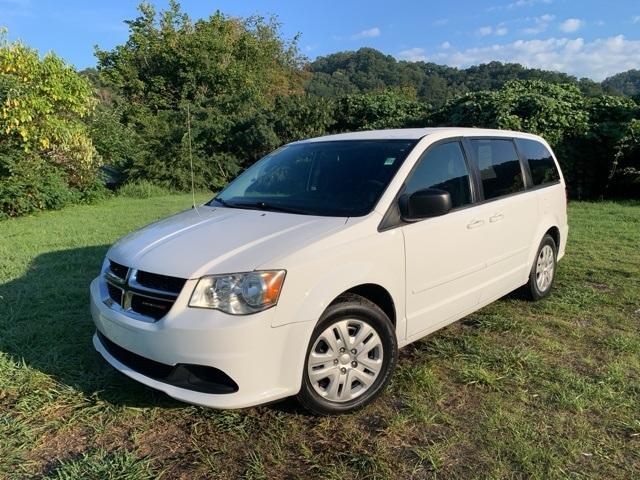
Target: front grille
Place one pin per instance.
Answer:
(118, 270)
(198, 378)
(150, 307)
(160, 282)
(149, 295)
(115, 293)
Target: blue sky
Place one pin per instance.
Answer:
(585, 38)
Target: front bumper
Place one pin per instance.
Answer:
(265, 362)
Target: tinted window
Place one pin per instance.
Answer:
(336, 178)
(499, 167)
(543, 168)
(443, 167)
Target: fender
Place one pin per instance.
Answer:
(312, 284)
(548, 221)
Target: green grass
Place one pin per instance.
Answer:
(516, 390)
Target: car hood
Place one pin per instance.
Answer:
(218, 240)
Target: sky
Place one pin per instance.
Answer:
(586, 38)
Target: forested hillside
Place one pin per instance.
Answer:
(625, 83)
(368, 70)
(244, 90)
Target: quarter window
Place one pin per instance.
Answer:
(443, 167)
(543, 168)
(499, 167)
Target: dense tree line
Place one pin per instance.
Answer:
(368, 70)
(625, 83)
(238, 90)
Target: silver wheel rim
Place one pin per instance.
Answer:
(345, 360)
(545, 266)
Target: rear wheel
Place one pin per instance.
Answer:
(350, 358)
(543, 270)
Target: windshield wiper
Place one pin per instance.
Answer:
(269, 207)
(222, 202)
(260, 206)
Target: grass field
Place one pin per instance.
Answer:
(518, 389)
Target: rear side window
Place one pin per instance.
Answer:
(499, 167)
(443, 167)
(543, 168)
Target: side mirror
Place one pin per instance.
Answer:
(430, 202)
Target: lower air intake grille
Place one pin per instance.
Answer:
(198, 378)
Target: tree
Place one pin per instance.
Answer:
(593, 137)
(556, 112)
(624, 177)
(46, 155)
(223, 71)
(368, 70)
(624, 83)
(387, 109)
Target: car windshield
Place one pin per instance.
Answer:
(334, 178)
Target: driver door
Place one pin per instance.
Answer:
(444, 267)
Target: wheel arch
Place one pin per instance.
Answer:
(555, 234)
(547, 227)
(376, 294)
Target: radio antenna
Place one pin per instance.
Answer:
(193, 180)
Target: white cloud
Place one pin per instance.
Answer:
(597, 59)
(518, 4)
(441, 22)
(445, 45)
(369, 33)
(539, 24)
(415, 54)
(571, 25)
(526, 3)
(636, 19)
(500, 30)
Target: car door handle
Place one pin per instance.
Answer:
(475, 224)
(496, 218)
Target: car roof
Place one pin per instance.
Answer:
(416, 134)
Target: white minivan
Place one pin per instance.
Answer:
(308, 272)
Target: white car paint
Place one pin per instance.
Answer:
(436, 271)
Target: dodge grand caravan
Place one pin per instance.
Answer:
(308, 272)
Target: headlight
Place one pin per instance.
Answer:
(239, 293)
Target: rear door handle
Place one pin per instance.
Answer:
(475, 224)
(496, 218)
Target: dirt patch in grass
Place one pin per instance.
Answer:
(58, 445)
(164, 440)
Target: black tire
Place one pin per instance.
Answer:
(531, 289)
(353, 307)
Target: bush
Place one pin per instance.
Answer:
(28, 184)
(593, 138)
(142, 189)
(47, 158)
(386, 109)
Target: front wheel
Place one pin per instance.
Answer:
(350, 358)
(543, 270)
